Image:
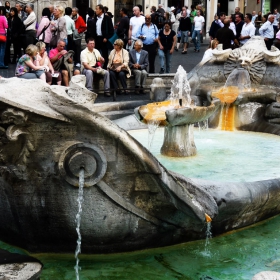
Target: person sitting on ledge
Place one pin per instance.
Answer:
(138, 63)
(28, 66)
(92, 60)
(62, 61)
(44, 60)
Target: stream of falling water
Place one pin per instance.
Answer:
(207, 241)
(80, 200)
(152, 127)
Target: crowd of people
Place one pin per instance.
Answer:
(235, 30)
(53, 46)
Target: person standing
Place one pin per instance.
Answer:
(185, 27)
(103, 30)
(167, 42)
(30, 26)
(237, 11)
(134, 24)
(248, 30)
(21, 13)
(138, 63)
(80, 28)
(197, 32)
(89, 58)
(60, 24)
(238, 25)
(3, 27)
(225, 36)
(148, 33)
(70, 28)
(276, 20)
(267, 31)
(44, 32)
(123, 27)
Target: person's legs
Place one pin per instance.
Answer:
(113, 79)
(89, 78)
(2, 54)
(151, 49)
(137, 75)
(65, 77)
(122, 78)
(77, 50)
(195, 39)
(70, 45)
(106, 80)
(40, 74)
(168, 61)
(199, 35)
(7, 59)
(30, 37)
(144, 75)
(161, 59)
(49, 77)
(28, 76)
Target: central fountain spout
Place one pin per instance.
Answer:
(178, 116)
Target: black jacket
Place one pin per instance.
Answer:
(185, 24)
(123, 27)
(107, 27)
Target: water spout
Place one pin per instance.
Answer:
(80, 200)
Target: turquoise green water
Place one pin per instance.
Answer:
(238, 255)
(223, 155)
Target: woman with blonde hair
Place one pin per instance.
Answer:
(28, 66)
(59, 26)
(209, 52)
(44, 60)
(118, 66)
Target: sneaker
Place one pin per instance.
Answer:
(161, 71)
(78, 65)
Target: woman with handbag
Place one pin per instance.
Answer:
(118, 66)
(3, 37)
(44, 33)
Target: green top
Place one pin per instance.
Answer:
(192, 15)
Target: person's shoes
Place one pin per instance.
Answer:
(142, 90)
(161, 71)
(196, 50)
(176, 49)
(4, 67)
(184, 52)
(137, 90)
(125, 92)
(118, 92)
(78, 65)
(107, 93)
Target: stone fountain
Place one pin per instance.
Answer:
(131, 201)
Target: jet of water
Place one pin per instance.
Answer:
(80, 200)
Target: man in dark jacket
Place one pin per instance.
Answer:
(185, 27)
(226, 35)
(238, 24)
(123, 27)
(103, 30)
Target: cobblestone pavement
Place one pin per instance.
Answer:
(188, 61)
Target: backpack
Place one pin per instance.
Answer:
(159, 19)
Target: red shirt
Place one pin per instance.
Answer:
(54, 52)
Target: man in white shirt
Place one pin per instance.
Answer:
(89, 58)
(30, 26)
(134, 24)
(267, 32)
(197, 32)
(248, 29)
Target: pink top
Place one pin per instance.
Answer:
(278, 35)
(3, 25)
(53, 53)
(48, 33)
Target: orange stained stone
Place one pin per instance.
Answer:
(156, 111)
(226, 94)
(208, 218)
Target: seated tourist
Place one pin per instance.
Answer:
(91, 60)
(28, 67)
(62, 61)
(118, 66)
(44, 60)
(209, 52)
(138, 63)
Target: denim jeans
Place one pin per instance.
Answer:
(196, 39)
(2, 53)
(165, 55)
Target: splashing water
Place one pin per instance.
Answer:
(181, 88)
(78, 220)
(152, 127)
